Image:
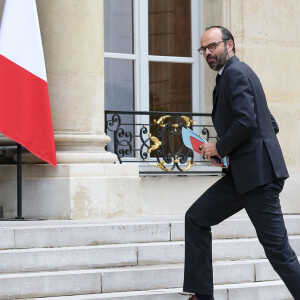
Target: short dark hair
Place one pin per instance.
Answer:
(226, 34)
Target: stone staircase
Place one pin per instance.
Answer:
(130, 260)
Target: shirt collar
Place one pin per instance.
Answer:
(221, 70)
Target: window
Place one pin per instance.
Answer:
(151, 63)
(151, 58)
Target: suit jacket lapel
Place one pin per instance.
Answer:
(217, 87)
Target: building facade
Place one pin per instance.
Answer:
(141, 55)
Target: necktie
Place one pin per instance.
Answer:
(218, 78)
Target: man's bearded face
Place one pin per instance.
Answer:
(217, 61)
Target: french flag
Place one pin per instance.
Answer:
(25, 115)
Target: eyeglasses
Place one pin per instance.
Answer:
(211, 47)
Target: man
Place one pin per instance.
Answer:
(256, 175)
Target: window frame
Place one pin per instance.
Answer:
(141, 57)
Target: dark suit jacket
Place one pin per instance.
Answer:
(246, 128)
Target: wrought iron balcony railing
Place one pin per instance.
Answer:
(153, 139)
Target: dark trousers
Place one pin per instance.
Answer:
(218, 203)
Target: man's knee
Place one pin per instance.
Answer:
(278, 250)
(196, 217)
(193, 213)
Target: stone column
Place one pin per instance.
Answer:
(72, 33)
(86, 183)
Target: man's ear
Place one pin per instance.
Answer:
(230, 45)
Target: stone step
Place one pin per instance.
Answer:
(168, 294)
(71, 234)
(161, 294)
(114, 280)
(225, 249)
(236, 228)
(67, 258)
(43, 234)
(274, 290)
(103, 256)
(245, 248)
(46, 284)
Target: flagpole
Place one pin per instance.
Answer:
(19, 182)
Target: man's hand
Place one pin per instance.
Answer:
(208, 150)
(213, 162)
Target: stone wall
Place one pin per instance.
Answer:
(86, 183)
(267, 35)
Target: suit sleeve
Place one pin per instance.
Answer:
(238, 92)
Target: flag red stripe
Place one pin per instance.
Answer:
(25, 115)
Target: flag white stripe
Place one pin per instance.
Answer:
(20, 40)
